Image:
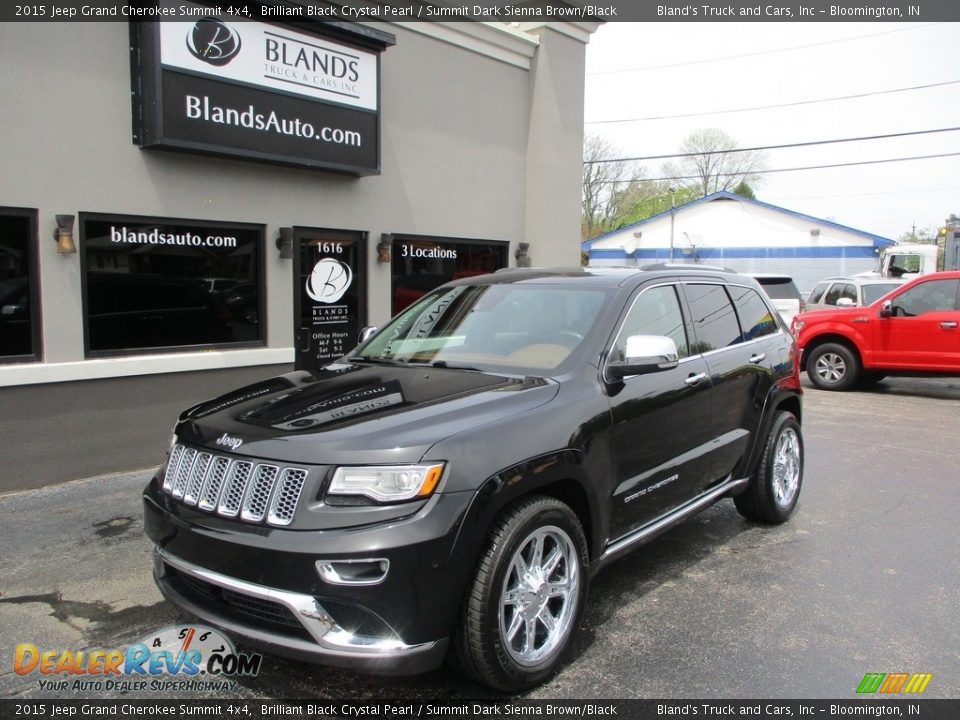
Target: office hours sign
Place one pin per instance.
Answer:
(331, 281)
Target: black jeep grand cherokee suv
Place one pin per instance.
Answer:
(458, 478)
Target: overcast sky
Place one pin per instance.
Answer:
(682, 68)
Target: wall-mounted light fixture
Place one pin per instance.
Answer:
(522, 254)
(815, 232)
(64, 234)
(285, 243)
(383, 247)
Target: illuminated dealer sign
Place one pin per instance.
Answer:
(260, 91)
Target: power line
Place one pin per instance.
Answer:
(773, 147)
(770, 107)
(791, 169)
(755, 54)
(869, 194)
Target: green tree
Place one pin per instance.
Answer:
(918, 236)
(606, 178)
(713, 162)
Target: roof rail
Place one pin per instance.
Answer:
(687, 266)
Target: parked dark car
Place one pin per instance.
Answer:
(456, 480)
(15, 316)
(140, 310)
(243, 301)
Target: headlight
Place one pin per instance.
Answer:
(387, 483)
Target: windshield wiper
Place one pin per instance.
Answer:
(445, 364)
(378, 360)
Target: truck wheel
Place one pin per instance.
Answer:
(772, 493)
(523, 605)
(833, 366)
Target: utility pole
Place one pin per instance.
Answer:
(672, 220)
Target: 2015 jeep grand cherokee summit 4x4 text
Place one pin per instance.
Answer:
(458, 478)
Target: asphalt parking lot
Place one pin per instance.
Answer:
(865, 578)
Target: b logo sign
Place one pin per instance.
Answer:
(213, 42)
(329, 280)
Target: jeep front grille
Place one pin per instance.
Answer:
(216, 483)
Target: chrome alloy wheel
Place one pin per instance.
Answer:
(539, 598)
(786, 467)
(830, 367)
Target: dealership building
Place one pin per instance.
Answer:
(190, 206)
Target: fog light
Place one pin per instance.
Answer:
(354, 572)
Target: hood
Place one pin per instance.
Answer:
(357, 413)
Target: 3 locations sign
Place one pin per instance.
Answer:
(258, 91)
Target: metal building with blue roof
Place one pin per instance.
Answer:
(743, 234)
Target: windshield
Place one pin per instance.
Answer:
(873, 292)
(505, 328)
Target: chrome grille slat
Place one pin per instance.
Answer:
(176, 455)
(233, 491)
(251, 491)
(259, 490)
(210, 493)
(286, 497)
(183, 472)
(197, 475)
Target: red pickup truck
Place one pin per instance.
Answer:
(913, 330)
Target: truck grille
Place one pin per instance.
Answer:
(216, 483)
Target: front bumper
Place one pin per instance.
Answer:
(266, 586)
(325, 642)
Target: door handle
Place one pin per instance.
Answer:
(758, 358)
(949, 324)
(303, 339)
(695, 379)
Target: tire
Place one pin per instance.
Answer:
(772, 493)
(501, 639)
(833, 366)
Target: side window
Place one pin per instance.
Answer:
(833, 294)
(756, 318)
(901, 264)
(714, 320)
(930, 296)
(817, 292)
(655, 311)
(848, 291)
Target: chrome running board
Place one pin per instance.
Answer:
(623, 545)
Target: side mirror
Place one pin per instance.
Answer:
(367, 333)
(845, 302)
(886, 310)
(644, 354)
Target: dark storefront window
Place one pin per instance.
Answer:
(19, 326)
(421, 264)
(153, 284)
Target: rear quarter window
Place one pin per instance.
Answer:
(756, 318)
